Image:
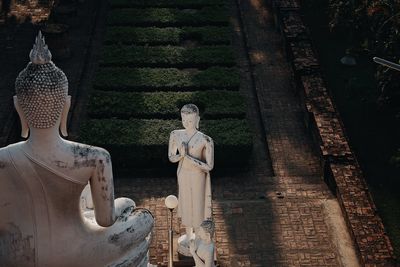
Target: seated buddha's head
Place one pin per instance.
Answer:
(41, 90)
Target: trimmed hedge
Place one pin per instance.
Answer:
(162, 17)
(166, 3)
(167, 78)
(156, 132)
(207, 35)
(165, 105)
(144, 143)
(167, 56)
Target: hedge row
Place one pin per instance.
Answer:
(156, 132)
(207, 35)
(162, 17)
(166, 3)
(212, 104)
(134, 60)
(109, 78)
(167, 56)
(140, 143)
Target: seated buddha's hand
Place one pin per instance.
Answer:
(86, 199)
(124, 207)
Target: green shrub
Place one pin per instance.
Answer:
(168, 17)
(166, 3)
(168, 78)
(140, 143)
(156, 132)
(167, 56)
(212, 104)
(207, 35)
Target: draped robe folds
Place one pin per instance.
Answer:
(41, 223)
(194, 183)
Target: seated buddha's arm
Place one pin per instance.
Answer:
(102, 188)
(208, 165)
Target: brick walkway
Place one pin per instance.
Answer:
(274, 214)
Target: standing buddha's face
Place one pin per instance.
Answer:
(202, 234)
(189, 121)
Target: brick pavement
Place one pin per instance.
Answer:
(273, 214)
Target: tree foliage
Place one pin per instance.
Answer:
(373, 26)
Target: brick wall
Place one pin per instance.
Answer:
(33, 10)
(341, 169)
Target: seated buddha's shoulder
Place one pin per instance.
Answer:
(83, 151)
(4, 153)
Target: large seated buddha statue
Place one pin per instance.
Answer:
(45, 220)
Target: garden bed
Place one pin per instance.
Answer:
(144, 143)
(166, 3)
(159, 55)
(153, 79)
(167, 56)
(165, 105)
(207, 35)
(162, 17)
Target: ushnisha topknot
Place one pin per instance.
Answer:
(41, 87)
(40, 53)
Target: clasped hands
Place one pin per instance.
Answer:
(183, 149)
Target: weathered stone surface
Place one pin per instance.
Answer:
(195, 153)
